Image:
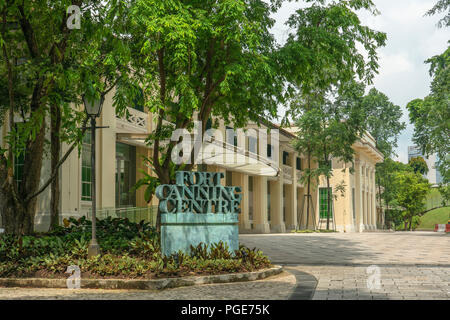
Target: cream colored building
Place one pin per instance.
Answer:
(272, 193)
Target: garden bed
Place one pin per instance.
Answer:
(129, 251)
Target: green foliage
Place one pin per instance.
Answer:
(129, 250)
(444, 190)
(327, 128)
(441, 6)
(418, 165)
(218, 59)
(385, 172)
(45, 69)
(383, 121)
(411, 190)
(431, 115)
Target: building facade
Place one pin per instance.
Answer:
(265, 165)
(433, 175)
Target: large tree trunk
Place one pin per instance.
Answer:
(55, 152)
(18, 214)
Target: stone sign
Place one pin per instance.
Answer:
(198, 209)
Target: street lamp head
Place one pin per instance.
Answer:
(93, 106)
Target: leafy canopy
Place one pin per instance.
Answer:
(383, 121)
(431, 115)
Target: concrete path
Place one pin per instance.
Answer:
(402, 248)
(410, 265)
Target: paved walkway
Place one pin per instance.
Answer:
(410, 265)
(390, 248)
(278, 287)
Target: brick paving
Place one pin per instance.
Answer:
(412, 265)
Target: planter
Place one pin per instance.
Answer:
(142, 284)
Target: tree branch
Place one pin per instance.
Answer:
(10, 172)
(58, 165)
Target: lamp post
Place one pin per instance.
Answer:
(93, 108)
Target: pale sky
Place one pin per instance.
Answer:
(411, 39)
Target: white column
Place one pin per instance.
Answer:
(241, 179)
(374, 199)
(260, 223)
(366, 198)
(276, 203)
(359, 196)
(106, 156)
(291, 209)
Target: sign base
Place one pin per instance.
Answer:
(181, 230)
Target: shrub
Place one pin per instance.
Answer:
(129, 250)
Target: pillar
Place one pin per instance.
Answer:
(260, 223)
(106, 156)
(276, 201)
(291, 196)
(359, 196)
(374, 199)
(241, 179)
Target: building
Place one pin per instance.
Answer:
(433, 175)
(267, 168)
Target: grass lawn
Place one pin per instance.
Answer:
(429, 219)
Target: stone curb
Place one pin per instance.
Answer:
(142, 284)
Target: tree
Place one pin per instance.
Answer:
(383, 123)
(418, 165)
(328, 129)
(441, 6)
(431, 115)
(411, 190)
(46, 67)
(218, 59)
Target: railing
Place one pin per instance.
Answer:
(135, 120)
(134, 214)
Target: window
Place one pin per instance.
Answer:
(19, 160)
(285, 157)
(252, 144)
(208, 124)
(86, 169)
(231, 136)
(269, 150)
(323, 203)
(299, 164)
(125, 175)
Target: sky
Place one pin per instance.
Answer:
(411, 39)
